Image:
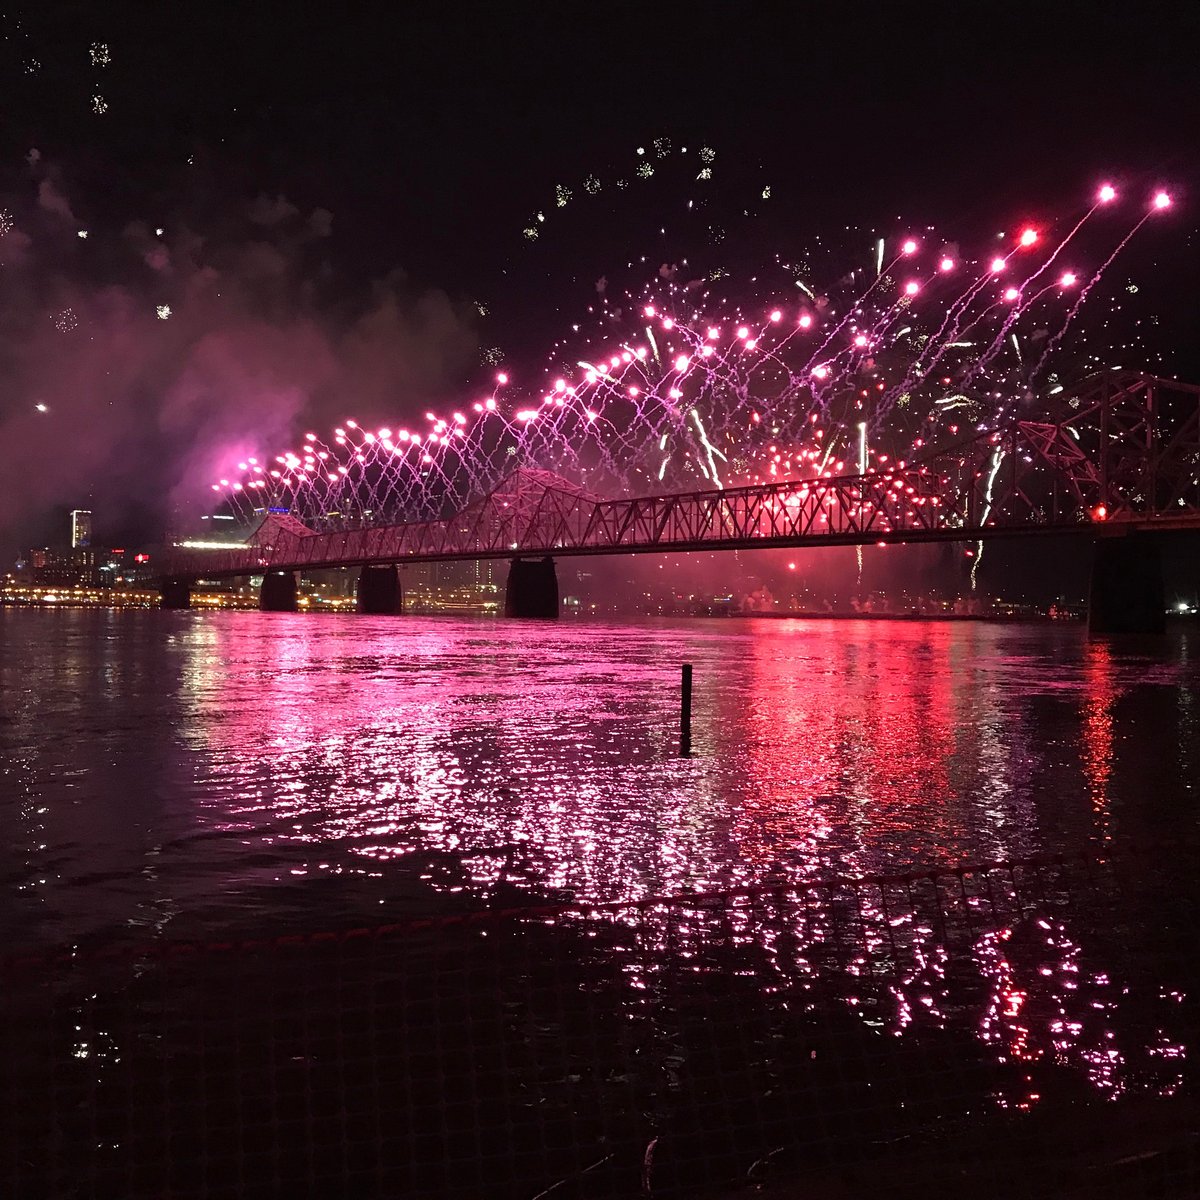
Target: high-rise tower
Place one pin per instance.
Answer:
(81, 527)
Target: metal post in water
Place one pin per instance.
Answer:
(685, 713)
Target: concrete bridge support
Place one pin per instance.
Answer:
(278, 593)
(1127, 586)
(175, 591)
(532, 588)
(379, 590)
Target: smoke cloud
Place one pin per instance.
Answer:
(138, 362)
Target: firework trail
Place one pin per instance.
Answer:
(1019, 296)
(1161, 201)
(681, 387)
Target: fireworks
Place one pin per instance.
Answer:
(101, 58)
(666, 157)
(682, 388)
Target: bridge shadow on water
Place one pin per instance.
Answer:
(1016, 1030)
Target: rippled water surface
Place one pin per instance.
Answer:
(182, 771)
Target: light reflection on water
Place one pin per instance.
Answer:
(186, 772)
(162, 767)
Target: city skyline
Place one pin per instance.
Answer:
(213, 187)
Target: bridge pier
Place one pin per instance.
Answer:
(532, 588)
(175, 591)
(379, 590)
(1127, 586)
(278, 592)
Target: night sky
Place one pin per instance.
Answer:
(357, 182)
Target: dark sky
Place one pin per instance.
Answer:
(427, 135)
(431, 131)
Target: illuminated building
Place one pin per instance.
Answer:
(81, 527)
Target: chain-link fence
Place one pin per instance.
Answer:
(1012, 1030)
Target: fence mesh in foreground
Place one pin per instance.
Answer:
(1014, 1030)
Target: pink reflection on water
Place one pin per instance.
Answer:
(848, 746)
(1097, 754)
(451, 758)
(861, 741)
(442, 759)
(472, 757)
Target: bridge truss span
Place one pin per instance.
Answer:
(1123, 452)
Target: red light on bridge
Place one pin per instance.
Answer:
(1099, 513)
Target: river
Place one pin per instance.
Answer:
(180, 773)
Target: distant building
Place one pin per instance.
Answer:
(83, 566)
(450, 587)
(81, 528)
(49, 567)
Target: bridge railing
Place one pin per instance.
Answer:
(877, 505)
(1016, 1029)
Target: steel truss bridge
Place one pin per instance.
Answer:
(1122, 452)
